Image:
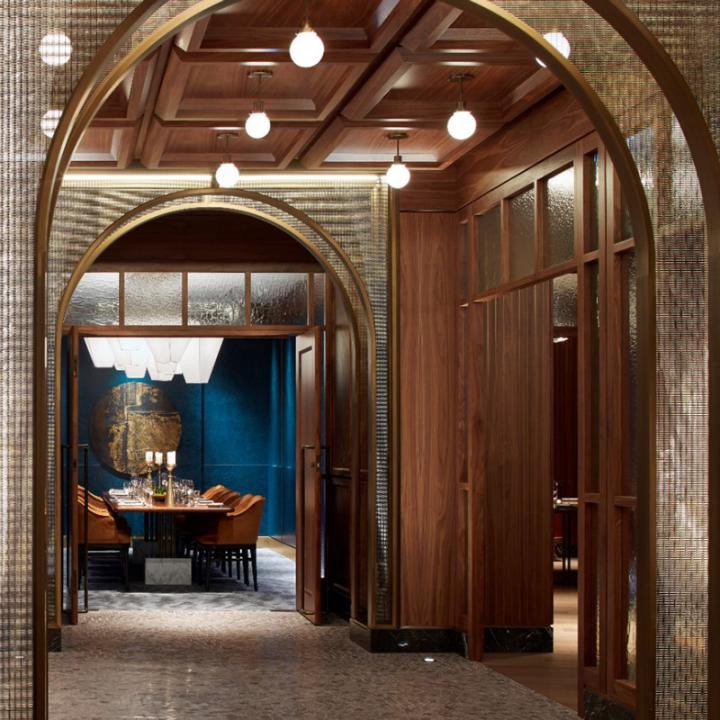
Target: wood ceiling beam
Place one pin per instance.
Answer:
(400, 110)
(376, 87)
(475, 36)
(158, 75)
(223, 124)
(387, 21)
(280, 56)
(172, 89)
(242, 37)
(431, 27)
(528, 93)
(510, 58)
(324, 144)
(191, 36)
(123, 146)
(154, 145)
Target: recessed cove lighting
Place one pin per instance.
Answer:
(559, 42)
(49, 122)
(55, 49)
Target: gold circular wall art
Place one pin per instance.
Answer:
(130, 419)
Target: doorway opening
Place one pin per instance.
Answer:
(242, 419)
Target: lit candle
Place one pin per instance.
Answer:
(158, 458)
(149, 457)
(171, 458)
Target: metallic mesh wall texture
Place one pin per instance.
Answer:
(353, 212)
(691, 33)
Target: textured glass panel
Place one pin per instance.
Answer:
(560, 217)
(593, 299)
(626, 231)
(319, 298)
(630, 605)
(278, 299)
(96, 300)
(487, 229)
(153, 298)
(216, 298)
(565, 290)
(592, 179)
(630, 372)
(521, 210)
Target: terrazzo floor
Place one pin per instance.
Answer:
(229, 663)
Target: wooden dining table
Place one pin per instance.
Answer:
(161, 517)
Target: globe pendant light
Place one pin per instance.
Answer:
(227, 175)
(397, 175)
(257, 125)
(559, 42)
(461, 124)
(307, 48)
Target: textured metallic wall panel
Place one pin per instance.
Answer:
(690, 31)
(354, 213)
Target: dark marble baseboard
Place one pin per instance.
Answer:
(519, 640)
(54, 639)
(598, 707)
(407, 640)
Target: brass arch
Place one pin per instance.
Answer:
(88, 97)
(168, 204)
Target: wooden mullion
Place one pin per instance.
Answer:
(121, 299)
(248, 298)
(548, 274)
(312, 320)
(185, 299)
(72, 499)
(540, 224)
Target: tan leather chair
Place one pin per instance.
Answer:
(211, 493)
(105, 531)
(235, 536)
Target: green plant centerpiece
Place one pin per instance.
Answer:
(160, 493)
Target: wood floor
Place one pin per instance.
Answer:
(551, 674)
(272, 544)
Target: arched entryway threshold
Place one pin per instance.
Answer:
(86, 101)
(349, 288)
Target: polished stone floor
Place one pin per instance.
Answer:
(228, 663)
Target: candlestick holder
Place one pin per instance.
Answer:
(170, 489)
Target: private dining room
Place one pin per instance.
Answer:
(177, 434)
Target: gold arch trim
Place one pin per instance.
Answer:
(88, 97)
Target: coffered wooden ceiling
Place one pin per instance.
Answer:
(386, 68)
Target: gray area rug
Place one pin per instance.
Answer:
(276, 590)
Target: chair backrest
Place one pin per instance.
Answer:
(96, 505)
(241, 526)
(212, 492)
(227, 496)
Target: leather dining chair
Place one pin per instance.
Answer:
(235, 536)
(105, 531)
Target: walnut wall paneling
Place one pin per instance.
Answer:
(341, 469)
(516, 391)
(429, 497)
